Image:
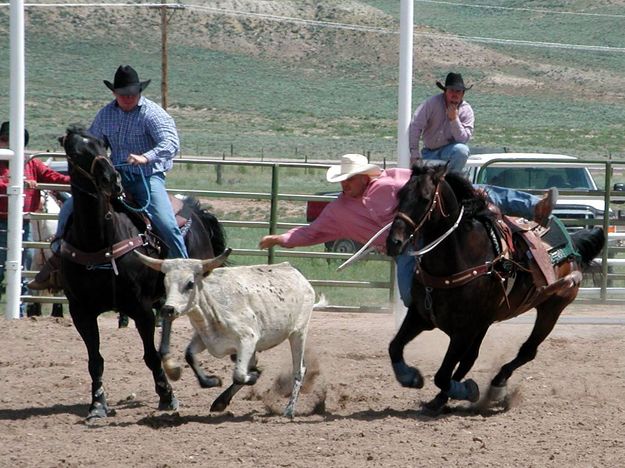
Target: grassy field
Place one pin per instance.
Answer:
(279, 89)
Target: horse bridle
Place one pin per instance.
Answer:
(89, 174)
(435, 202)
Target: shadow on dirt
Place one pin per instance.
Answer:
(17, 414)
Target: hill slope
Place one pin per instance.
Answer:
(292, 77)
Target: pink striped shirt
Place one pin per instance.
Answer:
(354, 218)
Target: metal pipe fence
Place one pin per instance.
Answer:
(610, 263)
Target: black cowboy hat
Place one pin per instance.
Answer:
(5, 130)
(453, 81)
(126, 82)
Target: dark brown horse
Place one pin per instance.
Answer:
(100, 274)
(465, 279)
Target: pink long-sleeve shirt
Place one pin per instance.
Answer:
(354, 218)
(431, 124)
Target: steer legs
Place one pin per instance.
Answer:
(297, 340)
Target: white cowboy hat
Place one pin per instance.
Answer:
(351, 165)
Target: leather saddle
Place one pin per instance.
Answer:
(538, 248)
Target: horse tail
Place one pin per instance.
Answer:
(210, 223)
(588, 242)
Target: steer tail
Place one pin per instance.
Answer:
(588, 243)
(322, 304)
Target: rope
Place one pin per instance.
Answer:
(148, 198)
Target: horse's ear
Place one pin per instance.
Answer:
(440, 171)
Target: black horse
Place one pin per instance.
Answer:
(98, 272)
(465, 280)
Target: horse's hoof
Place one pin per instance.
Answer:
(97, 411)
(170, 404)
(218, 406)
(210, 382)
(435, 406)
(408, 376)
(473, 390)
(172, 368)
(497, 394)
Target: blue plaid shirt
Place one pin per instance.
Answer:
(146, 130)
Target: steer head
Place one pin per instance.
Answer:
(181, 278)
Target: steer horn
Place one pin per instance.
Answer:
(212, 263)
(154, 263)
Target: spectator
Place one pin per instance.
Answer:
(445, 124)
(34, 171)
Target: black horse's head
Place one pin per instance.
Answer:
(430, 201)
(88, 161)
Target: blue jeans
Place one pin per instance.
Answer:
(159, 209)
(405, 271)
(510, 201)
(456, 153)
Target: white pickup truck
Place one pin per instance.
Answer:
(534, 172)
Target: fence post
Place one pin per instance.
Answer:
(218, 172)
(606, 224)
(273, 211)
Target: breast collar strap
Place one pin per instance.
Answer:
(104, 256)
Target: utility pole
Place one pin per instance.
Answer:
(164, 56)
(164, 65)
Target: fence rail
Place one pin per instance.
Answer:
(603, 293)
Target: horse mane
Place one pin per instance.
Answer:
(425, 178)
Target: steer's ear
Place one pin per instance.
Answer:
(154, 263)
(212, 263)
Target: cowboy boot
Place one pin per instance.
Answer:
(50, 275)
(543, 208)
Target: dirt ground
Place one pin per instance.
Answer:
(566, 407)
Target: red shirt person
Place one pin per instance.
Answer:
(35, 171)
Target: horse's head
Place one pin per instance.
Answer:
(421, 201)
(88, 160)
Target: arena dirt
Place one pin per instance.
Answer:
(566, 407)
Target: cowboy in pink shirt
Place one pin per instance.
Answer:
(368, 202)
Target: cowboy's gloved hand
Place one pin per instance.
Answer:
(136, 159)
(30, 184)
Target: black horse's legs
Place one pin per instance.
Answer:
(87, 326)
(467, 361)
(460, 347)
(412, 325)
(197, 346)
(547, 315)
(144, 321)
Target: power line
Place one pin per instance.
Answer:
(549, 45)
(531, 10)
(289, 19)
(360, 28)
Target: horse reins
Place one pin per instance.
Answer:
(435, 202)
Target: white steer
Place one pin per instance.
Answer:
(236, 311)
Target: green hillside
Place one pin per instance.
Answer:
(268, 84)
